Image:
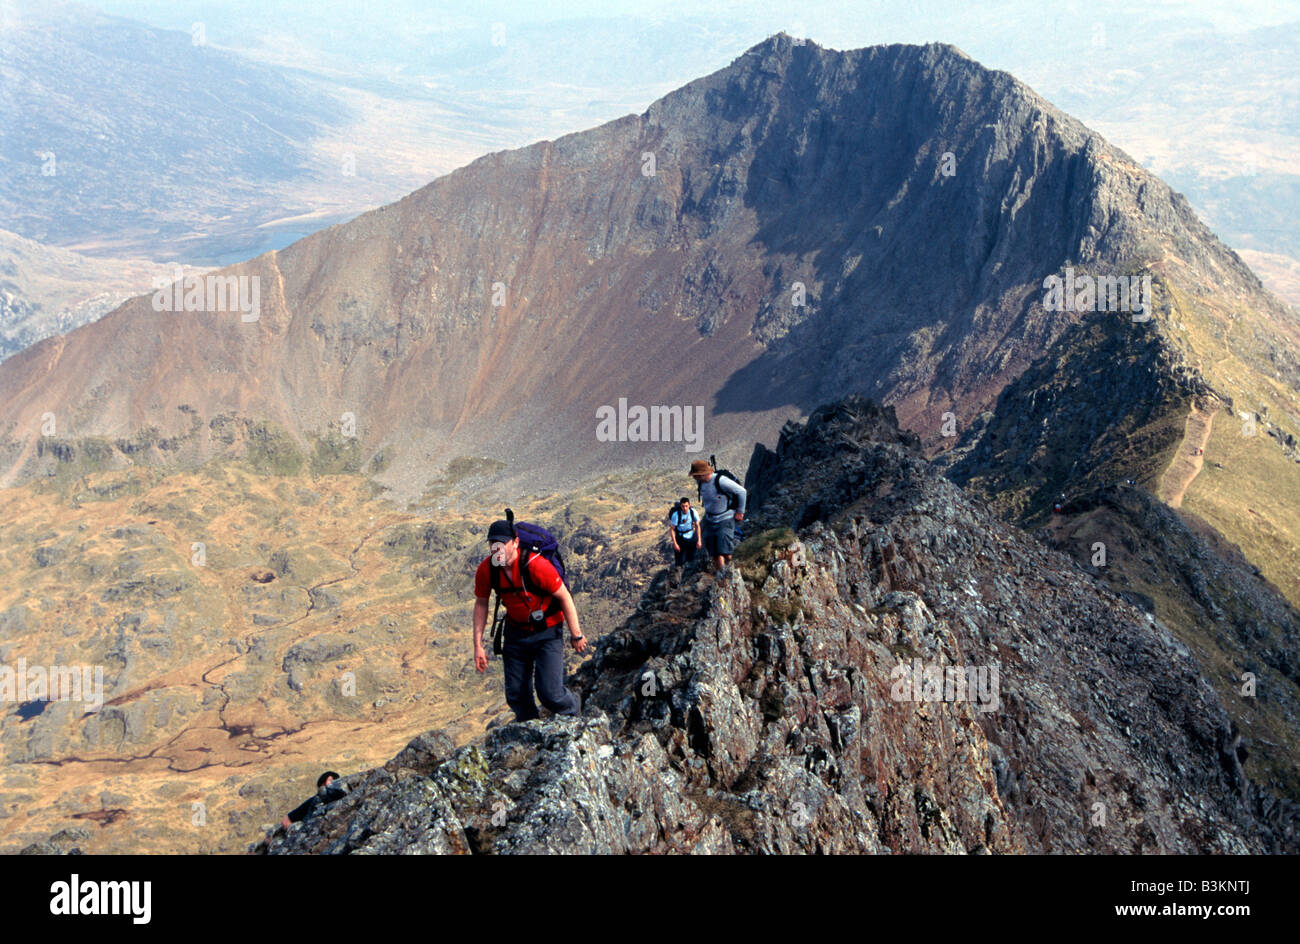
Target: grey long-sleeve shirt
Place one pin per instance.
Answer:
(713, 496)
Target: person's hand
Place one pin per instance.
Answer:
(740, 516)
(579, 643)
(676, 547)
(480, 657)
(286, 824)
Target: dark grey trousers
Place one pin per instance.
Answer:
(528, 656)
(688, 548)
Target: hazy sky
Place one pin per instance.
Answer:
(1003, 34)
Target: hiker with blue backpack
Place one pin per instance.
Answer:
(684, 532)
(526, 571)
(723, 501)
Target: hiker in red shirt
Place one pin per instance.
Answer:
(537, 610)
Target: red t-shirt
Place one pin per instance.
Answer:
(520, 604)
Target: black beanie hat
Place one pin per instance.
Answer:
(500, 531)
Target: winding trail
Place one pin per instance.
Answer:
(1190, 457)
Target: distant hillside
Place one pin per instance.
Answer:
(209, 135)
(122, 139)
(46, 291)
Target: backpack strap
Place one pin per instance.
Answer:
(733, 500)
(497, 628)
(525, 581)
(552, 601)
(699, 486)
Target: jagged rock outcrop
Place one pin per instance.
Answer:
(766, 711)
(64, 842)
(867, 421)
(1104, 403)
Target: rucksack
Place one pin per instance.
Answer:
(533, 539)
(733, 500)
(683, 517)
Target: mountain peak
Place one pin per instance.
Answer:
(784, 44)
(887, 214)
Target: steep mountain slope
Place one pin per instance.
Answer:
(1242, 631)
(764, 712)
(1112, 403)
(1111, 400)
(802, 223)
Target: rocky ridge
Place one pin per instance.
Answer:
(761, 713)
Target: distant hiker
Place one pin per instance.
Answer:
(326, 793)
(538, 606)
(683, 531)
(723, 500)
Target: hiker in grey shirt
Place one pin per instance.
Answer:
(723, 501)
